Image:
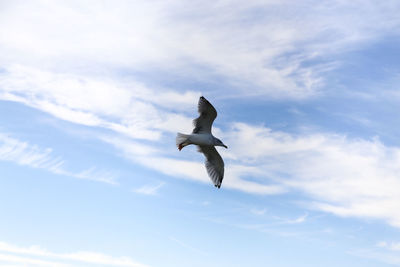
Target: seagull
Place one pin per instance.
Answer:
(205, 141)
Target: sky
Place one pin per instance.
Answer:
(92, 94)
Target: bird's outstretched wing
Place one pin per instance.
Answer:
(214, 164)
(207, 112)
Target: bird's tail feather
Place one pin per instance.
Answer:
(182, 140)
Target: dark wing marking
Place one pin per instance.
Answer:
(214, 164)
(204, 122)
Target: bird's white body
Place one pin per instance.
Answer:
(201, 139)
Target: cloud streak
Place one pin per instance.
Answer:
(127, 108)
(149, 189)
(23, 153)
(21, 255)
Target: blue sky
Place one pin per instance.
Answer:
(92, 94)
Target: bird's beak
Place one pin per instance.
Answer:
(225, 146)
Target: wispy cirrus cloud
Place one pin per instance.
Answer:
(395, 246)
(37, 256)
(149, 189)
(187, 246)
(25, 261)
(23, 153)
(258, 212)
(383, 251)
(127, 108)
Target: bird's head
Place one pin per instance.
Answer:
(218, 142)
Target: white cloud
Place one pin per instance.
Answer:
(187, 246)
(19, 254)
(258, 212)
(347, 177)
(388, 257)
(205, 203)
(23, 153)
(164, 162)
(300, 219)
(127, 108)
(7, 258)
(257, 44)
(149, 189)
(93, 174)
(395, 246)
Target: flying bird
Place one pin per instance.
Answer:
(205, 141)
